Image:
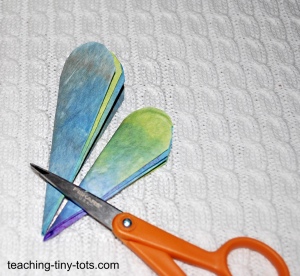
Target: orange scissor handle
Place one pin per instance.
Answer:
(158, 248)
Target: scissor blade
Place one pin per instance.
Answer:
(97, 208)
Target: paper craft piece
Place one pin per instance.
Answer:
(141, 143)
(90, 90)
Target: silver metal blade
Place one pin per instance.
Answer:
(97, 208)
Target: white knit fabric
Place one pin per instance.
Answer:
(228, 74)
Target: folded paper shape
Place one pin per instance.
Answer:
(141, 143)
(90, 91)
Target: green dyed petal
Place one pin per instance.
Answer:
(141, 143)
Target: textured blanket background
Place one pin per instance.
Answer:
(228, 74)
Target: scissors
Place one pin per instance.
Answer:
(154, 246)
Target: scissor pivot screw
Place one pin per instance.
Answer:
(127, 222)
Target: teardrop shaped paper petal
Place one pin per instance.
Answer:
(83, 106)
(141, 143)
